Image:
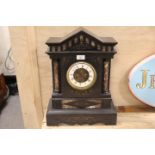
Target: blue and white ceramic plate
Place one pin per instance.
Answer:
(142, 81)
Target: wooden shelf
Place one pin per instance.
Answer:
(125, 120)
(34, 67)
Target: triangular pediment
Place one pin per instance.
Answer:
(79, 40)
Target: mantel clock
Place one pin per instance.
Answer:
(81, 64)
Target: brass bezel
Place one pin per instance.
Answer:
(86, 87)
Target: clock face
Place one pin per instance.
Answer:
(81, 75)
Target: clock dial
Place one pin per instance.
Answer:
(81, 75)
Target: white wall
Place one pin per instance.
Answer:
(4, 48)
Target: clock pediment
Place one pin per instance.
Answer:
(79, 40)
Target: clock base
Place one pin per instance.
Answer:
(107, 116)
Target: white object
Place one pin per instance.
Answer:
(80, 57)
(4, 48)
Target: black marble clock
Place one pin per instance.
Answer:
(81, 64)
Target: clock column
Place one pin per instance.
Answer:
(56, 84)
(56, 78)
(106, 75)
